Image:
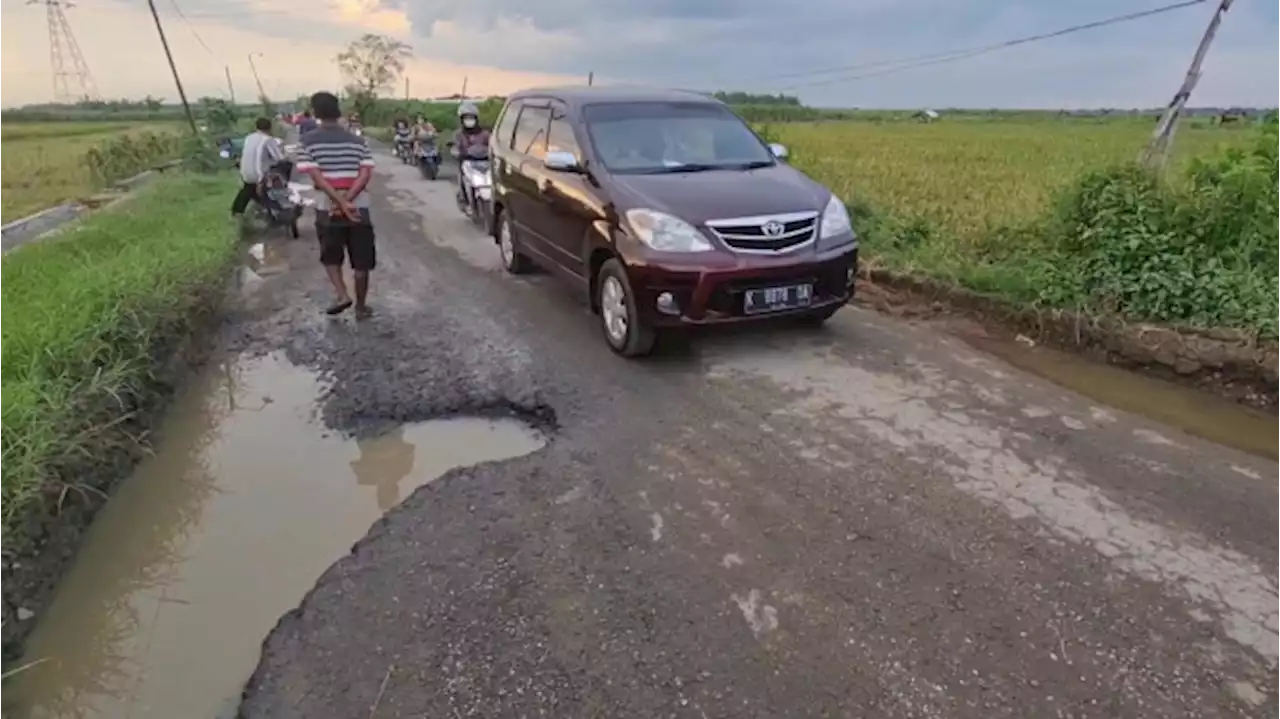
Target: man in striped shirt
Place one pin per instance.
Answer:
(340, 165)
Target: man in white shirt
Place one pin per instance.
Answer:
(261, 151)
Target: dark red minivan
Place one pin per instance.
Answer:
(667, 209)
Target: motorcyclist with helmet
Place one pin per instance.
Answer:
(403, 137)
(470, 142)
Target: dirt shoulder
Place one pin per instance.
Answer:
(1226, 362)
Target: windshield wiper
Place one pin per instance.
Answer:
(753, 165)
(686, 167)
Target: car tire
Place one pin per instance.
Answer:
(513, 260)
(619, 319)
(819, 317)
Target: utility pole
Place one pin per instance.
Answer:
(262, 93)
(406, 88)
(182, 94)
(1157, 150)
(464, 87)
(231, 88)
(591, 78)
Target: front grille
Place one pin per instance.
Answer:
(748, 234)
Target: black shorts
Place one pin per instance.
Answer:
(341, 238)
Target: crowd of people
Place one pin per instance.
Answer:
(333, 152)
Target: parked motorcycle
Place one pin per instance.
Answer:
(429, 158)
(475, 191)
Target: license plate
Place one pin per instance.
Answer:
(773, 299)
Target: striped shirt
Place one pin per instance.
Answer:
(339, 155)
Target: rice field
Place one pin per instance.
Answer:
(43, 164)
(969, 177)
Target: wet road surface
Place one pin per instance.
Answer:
(871, 520)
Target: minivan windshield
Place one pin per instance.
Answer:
(669, 137)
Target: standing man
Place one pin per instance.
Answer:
(340, 165)
(261, 151)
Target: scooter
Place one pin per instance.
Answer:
(404, 150)
(475, 195)
(429, 158)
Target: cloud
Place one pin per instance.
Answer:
(747, 44)
(765, 45)
(294, 46)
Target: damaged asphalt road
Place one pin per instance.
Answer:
(872, 520)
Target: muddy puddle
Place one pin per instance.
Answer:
(1195, 412)
(245, 503)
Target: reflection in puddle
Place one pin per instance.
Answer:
(245, 503)
(1193, 411)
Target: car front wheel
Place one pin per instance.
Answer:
(623, 330)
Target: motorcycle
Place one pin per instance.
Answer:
(404, 148)
(230, 148)
(429, 158)
(475, 193)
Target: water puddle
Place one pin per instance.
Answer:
(1198, 413)
(245, 503)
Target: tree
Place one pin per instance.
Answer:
(373, 63)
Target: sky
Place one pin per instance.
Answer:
(755, 45)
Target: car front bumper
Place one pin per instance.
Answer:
(682, 295)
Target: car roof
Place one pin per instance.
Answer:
(579, 95)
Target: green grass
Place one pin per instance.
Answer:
(45, 164)
(1053, 214)
(86, 316)
(967, 178)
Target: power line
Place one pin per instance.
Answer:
(193, 30)
(912, 62)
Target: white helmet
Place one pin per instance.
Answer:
(468, 108)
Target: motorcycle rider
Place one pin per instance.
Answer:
(423, 132)
(470, 140)
(403, 136)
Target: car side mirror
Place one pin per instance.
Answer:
(779, 151)
(561, 161)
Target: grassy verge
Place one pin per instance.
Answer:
(45, 164)
(87, 318)
(1066, 223)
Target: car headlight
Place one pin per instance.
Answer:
(835, 219)
(665, 233)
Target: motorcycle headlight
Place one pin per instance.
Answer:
(666, 233)
(835, 220)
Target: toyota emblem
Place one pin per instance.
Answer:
(773, 228)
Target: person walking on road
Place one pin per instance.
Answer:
(340, 165)
(261, 151)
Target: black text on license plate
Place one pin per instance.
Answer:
(773, 299)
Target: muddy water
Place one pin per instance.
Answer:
(1195, 412)
(245, 503)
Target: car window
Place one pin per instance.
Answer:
(531, 131)
(658, 137)
(507, 125)
(560, 137)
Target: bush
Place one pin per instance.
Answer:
(1199, 250)
(88, 314)
(119, 157)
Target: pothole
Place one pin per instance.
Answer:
(245, 503)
